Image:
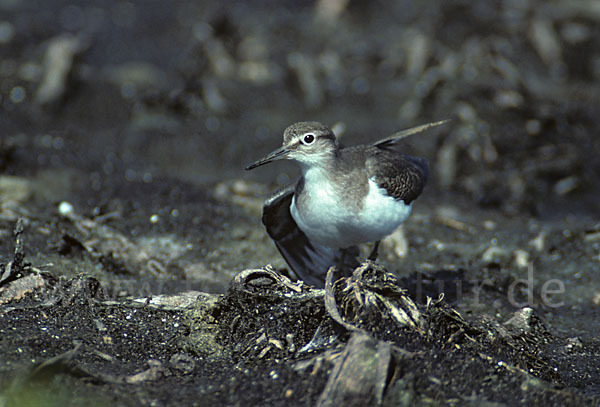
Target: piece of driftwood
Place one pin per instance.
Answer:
(359, 377)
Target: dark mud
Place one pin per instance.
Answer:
(124, 129)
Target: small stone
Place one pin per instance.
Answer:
(566, 185)
(521, 258)
(538, 241)
(65, 208)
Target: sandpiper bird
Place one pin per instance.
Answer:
(344, 197)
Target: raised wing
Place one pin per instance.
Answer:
(401, 175)
(396, 137)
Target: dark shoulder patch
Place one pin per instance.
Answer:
(402, 176)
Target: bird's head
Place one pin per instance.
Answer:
(309, 143)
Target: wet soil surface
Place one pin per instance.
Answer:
(126, 220)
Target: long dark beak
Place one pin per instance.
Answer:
(278, 154)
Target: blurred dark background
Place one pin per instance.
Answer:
(197, 89)
(125, 127)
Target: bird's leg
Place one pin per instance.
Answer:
(340, 265)
(373, 255)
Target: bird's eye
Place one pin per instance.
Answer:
(309, 138)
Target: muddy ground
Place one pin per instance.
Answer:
(126, 216)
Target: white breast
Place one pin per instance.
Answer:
(325, 219)
(381, 213)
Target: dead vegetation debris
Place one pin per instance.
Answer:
(368, 332)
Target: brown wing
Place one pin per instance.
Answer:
(401, 175)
